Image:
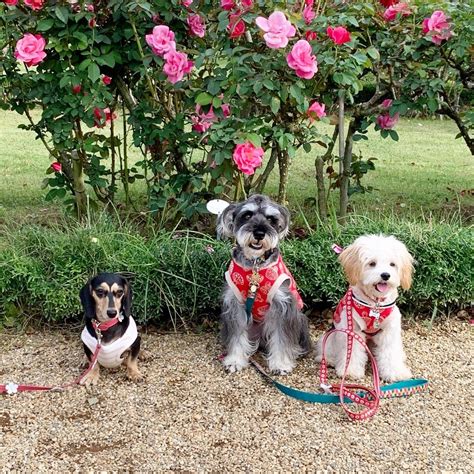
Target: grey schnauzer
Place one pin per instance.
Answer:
(261, 305)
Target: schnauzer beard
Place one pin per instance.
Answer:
(246, 240)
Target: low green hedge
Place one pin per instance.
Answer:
(180, 275)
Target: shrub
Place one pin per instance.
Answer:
(179, 276)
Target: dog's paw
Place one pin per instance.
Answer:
(144, 355)
(234, 363)
(92, 378)
(135, 375)
(396, 374)
(281, 367)
(353, 372)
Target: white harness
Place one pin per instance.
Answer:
(110, 354)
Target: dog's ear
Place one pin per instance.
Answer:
(285, 221)
(350, 261)
(225, 222)
(406, 267)
(127, 299)
(87, 301)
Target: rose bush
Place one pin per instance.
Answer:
(191, 82)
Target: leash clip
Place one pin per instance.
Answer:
(326, 388)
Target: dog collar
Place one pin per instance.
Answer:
(374, 305)
(104, 325)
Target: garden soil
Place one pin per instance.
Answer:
(191, 416)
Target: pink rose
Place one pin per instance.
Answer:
(226, 110)
(316, 110)
(388, 3)
(102, 117)
(187, 3)
(386, 122)
(56, 166)
(12, 3)
(92, 23)
(196, 25)
(302, 60)
(203, 121)
(308, 14)
(30, 49)
(176, 66)
(438, 27)
(161, 40)
(387, 103)
(76, 89)
(311, 35)
(277, 29)
(90, 8)
(247, 157)
(34, 4)
(106, 80)
(246, 4)
(236, 27)
(227, 4)
(339, 34)
(391, 12)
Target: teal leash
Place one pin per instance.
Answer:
(398, 389)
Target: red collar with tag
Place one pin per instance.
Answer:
(372, 315)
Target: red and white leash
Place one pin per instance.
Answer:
(12, 388)
(370, 397)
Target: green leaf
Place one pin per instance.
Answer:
(44, 25)
(275, 105)
(83, 66)
(295, 92)
(394, 135)
(268, 84)
(203, 98)
(433, 105)
(373, 52)
(93, 72)
(65, 80)
(255, 139)
(257, 87)
(62, 13)
(307, 147)
(216, 102)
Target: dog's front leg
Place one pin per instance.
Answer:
(389, 351)
(234, 334)
(286, 333)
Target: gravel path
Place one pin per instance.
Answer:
(191, 416)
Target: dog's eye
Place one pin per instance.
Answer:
(271, 219)
(247, 216)
(119, 293)
(372, 264)
(392, 264)
(100, 293)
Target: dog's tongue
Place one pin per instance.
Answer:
(382, 287)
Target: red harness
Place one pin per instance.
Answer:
(373, 317)
(267, 280)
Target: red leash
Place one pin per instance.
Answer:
(12, 388)
(370, 398)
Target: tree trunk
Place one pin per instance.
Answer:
(346, 174)
(79, 185)
(263, 178)
(284, 165)
(319, 165)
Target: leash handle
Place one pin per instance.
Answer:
(12, 388)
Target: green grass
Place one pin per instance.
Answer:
(424, 173)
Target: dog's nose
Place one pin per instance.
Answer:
(385, 276)
(111, 313)
(259, 234)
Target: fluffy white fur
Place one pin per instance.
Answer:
(364, 262)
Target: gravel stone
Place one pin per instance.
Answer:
(189, 415)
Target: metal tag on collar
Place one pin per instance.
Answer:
(375, 313)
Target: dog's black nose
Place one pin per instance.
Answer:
(259, 234)
(111, 313)
(385, 276)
